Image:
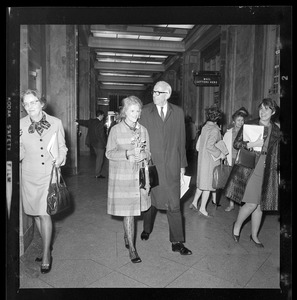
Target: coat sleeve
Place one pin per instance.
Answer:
(61, 143)
(22, 149)
(83, 122)
(210, 144)
(183, 156)
(239, 142)
(113, 152)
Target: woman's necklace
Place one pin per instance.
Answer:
(130, 127)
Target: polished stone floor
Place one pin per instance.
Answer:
(89, 251)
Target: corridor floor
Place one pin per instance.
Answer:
(89, 252)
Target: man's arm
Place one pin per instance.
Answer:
(83, 122)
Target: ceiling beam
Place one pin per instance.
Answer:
(140, 30)
(129, 44)
(131, 79)
(128, 67)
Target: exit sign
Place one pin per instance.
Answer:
(206, 78)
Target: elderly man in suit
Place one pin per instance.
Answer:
(165, 123)
(96, 138)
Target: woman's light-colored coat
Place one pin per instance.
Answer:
(210, 135)
(36, 163)
(168, 148)
(227, 138)
(125, 198)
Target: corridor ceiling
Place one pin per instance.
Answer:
(133, 57)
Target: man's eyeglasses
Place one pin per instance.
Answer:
(32, 103)
(158, 93)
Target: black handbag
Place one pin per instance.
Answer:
(221, 174)
(58, 198)
(153, 176)
(246, 158)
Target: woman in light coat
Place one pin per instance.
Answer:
(238, 120)
(36, 131)
(208, 158)
(128, 149)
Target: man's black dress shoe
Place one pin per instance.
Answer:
(45, 268)
(100, 176)
(144, 235)
(179, 247)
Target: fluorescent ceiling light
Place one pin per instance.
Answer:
(121, 83)
(124, 75)
(127, 36)
(149, 37)
(172, 39)
(105, 35)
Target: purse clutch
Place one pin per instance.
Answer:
(220, 175)
(58, 198)
(152, 174)
(246, 158)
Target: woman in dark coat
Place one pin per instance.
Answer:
(258, 187)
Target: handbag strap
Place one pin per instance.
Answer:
(225, 162)
(57, 170)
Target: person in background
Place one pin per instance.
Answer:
(165, 123)
(128, 148)
(260, 192)
(208, 158)
(238, 120)
(191, 132)
(36, 131)
(96, 138)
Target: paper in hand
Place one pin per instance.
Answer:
(52, 147)
(184, 184)
(252, 132)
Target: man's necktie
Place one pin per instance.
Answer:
(162, 114)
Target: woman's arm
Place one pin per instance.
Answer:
(61, 160)
(113, 151)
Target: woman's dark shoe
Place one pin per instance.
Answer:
(259, 245)
(126, 242)
(144, 235)
(134, 257)
(45, 268)
(235, 237)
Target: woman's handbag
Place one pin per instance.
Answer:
(246, 158)
(58, 198)
(221, 174)
(153, 176)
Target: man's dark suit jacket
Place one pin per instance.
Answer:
(96, 136)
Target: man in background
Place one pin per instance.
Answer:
(96, 138)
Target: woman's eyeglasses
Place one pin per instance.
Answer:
(158, 93)
(32, 103)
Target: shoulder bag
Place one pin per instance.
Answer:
(58, 198)
(246, 158)
(221, 174)
(152, 174)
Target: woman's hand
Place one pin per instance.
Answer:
(258, 143)
(222, 156)
(58, 162)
